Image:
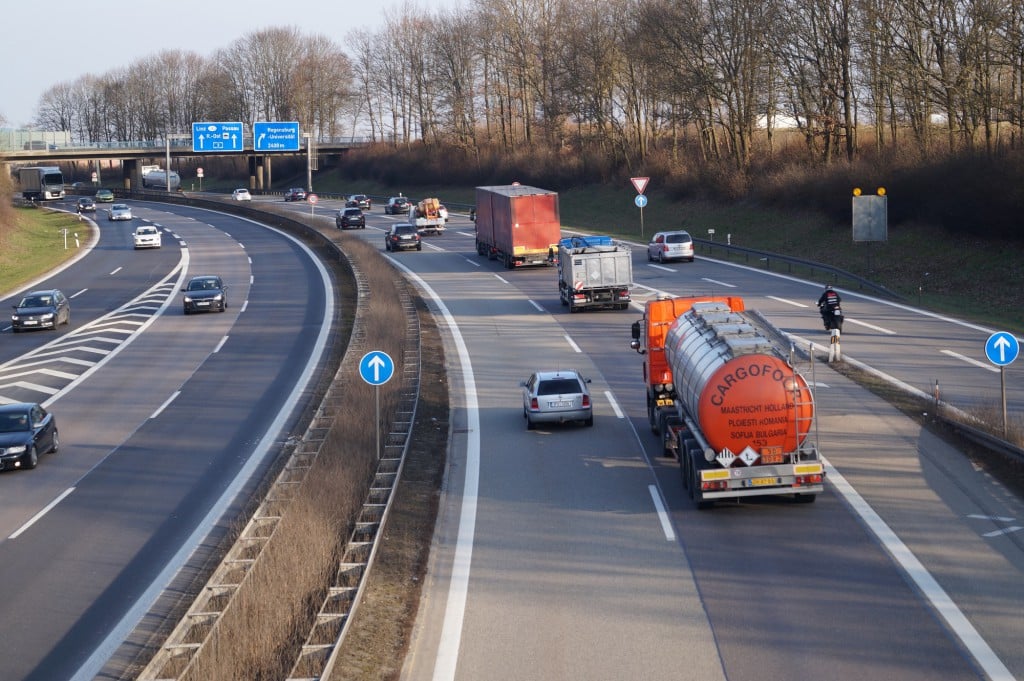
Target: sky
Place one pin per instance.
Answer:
(72, 39)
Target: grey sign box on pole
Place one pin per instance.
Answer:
(870, 218)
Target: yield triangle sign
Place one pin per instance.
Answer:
(640, 183)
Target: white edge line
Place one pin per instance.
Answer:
(666, 525)
(536, 305)
(928, 586)
(501, 278)
(458, 588)
(221, 344)
(572, 343)
(41, 513)
(120, 631)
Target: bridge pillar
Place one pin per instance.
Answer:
(129, 172)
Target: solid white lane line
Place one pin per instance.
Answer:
(930, 589)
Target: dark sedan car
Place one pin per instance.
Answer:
(397, 205)
(350, 218)
(295, 194)
(205, 294)
(363, 201)
(26, 431)
(86, 205)
(402, 237)
(46, 309)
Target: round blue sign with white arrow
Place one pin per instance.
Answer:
(640, 200)
(376, 367)
(1002, 348)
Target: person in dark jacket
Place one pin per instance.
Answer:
(830, 306)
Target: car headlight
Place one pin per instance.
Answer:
(47, 316)
(219, 296)
(14, 317)
(16, 449)
(188, 299)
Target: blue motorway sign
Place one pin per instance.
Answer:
(640, 200)
(1002, 348)
(275, 136)
(376, 367)
(217, 136)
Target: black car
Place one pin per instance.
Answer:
(402, 237)
(362, 201)
(46, 309)
(205, 294)
(26, 431)
(397, 205)
(350, 218)
(86, 205)
(295, 194)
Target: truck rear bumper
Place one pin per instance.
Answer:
(761, 492)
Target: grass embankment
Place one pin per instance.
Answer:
(35, 243)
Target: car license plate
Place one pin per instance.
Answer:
(763, 482)
(560, 405)
(30, 322)
(204, 303)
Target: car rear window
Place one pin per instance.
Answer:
(558, 386)
(678, 239)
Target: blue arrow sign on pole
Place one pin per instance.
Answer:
(376, 367)
(275, 136)
(217, 136)
(640, 200)
(1002, 348)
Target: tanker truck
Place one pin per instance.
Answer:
(726, 401)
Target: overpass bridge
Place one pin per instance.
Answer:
(131, 156)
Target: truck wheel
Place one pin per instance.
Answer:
(804, 498)
(652, 417)
(508, 262)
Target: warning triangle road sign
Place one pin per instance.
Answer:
(640, 183)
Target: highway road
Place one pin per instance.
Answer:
(166, 423)
(567, 553)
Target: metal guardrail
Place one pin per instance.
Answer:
(768, 260)
(986, 440)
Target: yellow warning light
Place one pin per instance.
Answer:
(881, 191)
(856, 191)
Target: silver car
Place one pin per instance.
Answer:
(674, 245)
(557, 397)
(119, 211)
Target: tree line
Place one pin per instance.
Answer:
(718, 79)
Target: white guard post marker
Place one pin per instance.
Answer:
(1002, 349)
(377, 368)
(835, 350)
(312, 199)
(640, 184)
